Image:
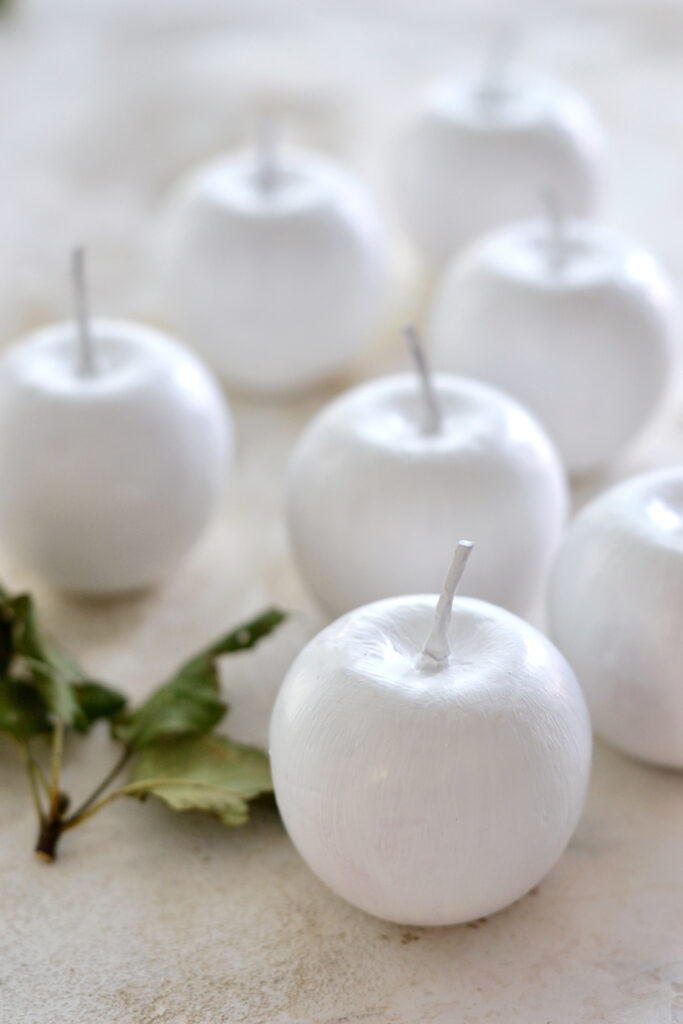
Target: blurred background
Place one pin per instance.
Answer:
(105, 103)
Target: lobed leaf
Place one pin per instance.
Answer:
(189, 703)
(6, 637)
(53, 671)
(202, 773)
(22, 711)
(52, 682)
(98, 701)
(181, 707)
(239, 639)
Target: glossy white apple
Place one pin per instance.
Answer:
(376, 490)
(276, 267)
(114, 453)
(475, 154)
(616, 598)
(572, 319)
(430, 766)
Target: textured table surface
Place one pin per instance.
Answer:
(151, 918)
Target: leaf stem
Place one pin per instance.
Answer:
(32, 773)
(89, 805)
(38, 771)
(89, 808)
(56, 767)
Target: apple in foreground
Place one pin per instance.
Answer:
(430, 758)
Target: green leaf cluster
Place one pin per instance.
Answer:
(177, 758)
(168, 739)
(40, 683)
(189, 703)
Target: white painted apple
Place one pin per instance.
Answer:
(109, 469)
(276, 267)
(432, 782)
(573, 320)
(376, 491)
(475, 154)
(616, 609)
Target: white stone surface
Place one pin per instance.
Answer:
(152, 918)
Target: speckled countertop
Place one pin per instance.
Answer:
(151, 918)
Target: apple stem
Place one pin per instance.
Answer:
(557, 228)
(437, 649)
(267, 146)
(500, 50)
(432, 424)
(85, 352)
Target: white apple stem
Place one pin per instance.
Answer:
(437, 649)
(496, 72)
(432, 423)
(267, 147)
(557, 228)
(85, 352)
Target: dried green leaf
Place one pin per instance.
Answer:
(22, 710)
(97, 701)
(239, 639)
(180, 707)
(53, 671)
(189, 704)
(31, 642)
(6, 639)
(202, 773)
(67, 691)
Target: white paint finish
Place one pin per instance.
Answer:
(616, 603)
(471, 158)
(437, 794)
(152, 918)
(375, 504)
(281, 286)
(109, 477)
(431, 411)
(585, 342)
(437, 647)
